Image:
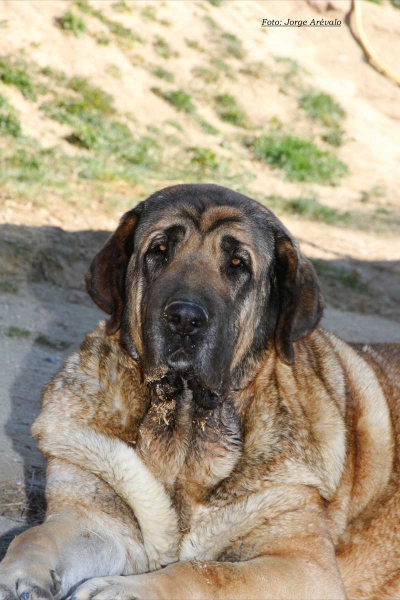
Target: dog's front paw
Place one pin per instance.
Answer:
(18, 583)
(112, 588)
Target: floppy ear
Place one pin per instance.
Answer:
(105, 280)
(300, 300)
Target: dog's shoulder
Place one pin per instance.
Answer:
(100, 385)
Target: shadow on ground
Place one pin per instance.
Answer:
(45, 315)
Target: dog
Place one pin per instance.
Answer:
(210, 440)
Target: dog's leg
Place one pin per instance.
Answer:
(295, 559)
(124, 471)
(88, 532)
(264, 578)
(55, 555)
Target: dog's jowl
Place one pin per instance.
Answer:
(210, 440)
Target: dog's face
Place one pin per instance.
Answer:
(201, 280)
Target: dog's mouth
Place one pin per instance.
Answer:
(179, 360)
(172, 386)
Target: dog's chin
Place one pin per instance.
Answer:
(179, 375)
(179, 362)
(203, 397)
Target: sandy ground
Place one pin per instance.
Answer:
(48, 263)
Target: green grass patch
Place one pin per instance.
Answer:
(89, 114)
(92, 97)
(121, 7)
(72, 23)
(30, 170)
(206, 126)
(233, 46)
(207, 75)
(299, 159)
(322, 107)
(292, 65)
(44, 340)
(308, 208)
(222, 66)
(122, 33)
(204, 158)
(149, 12)
(202, 164)
(229, 110)
(180, 99)
(381, 210)
(292, 72)
(31, 166)
(88, 9)
(8, 287)
(257, 70)
(91, 129)
(114, 71)
(15, 73)
(17, 332)
(115, 151)
(381, 221)
(162, 47)
(217, 2)
(162, 73)
(194, 45)
(334, 137)
(373, 194)
(9, 122)
(103, 39)
(211, 23)
(57, 77)
(175, 125)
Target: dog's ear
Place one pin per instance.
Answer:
(105, 280)
(300, 300)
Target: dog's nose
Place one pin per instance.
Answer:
(185, 318)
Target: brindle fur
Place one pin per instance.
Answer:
(285, 485)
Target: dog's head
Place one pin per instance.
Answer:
(201, 280)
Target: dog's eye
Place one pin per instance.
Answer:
(237, 262)
(160, 248)
(159, 253)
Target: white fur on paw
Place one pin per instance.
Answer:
(90, 588)
(105, 588)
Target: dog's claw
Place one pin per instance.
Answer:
(32, 592)
(5, 593)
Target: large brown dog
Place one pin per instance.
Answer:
(210, 441)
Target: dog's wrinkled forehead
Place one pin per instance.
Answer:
(204, 207)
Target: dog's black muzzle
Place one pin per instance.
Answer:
(187, 333)
(185, 329)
